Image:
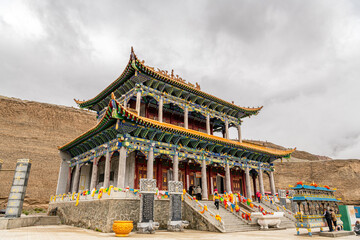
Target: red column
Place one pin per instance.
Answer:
(231, 181)
(209, 174)
(244, 184)
(147, 110)
(254, 183)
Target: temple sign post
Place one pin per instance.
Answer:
(18, 189)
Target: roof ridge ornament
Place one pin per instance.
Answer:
(132, 54)
(165, 73)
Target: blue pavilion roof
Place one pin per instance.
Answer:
(312, 188)
(303, 198)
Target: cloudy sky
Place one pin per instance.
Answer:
(299, 59)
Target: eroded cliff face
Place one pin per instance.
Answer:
(34, 130)
(341, 174)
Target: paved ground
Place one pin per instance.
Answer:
(68, 232)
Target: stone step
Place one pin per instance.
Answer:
(27, 221)
(242, 229)
(236, 225)
(50, 220)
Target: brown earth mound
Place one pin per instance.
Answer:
(34, 130)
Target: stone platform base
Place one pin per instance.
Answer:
(100, 214)
(337, 234)
(147, 227)
(273, 229)
(9, 223)
(177, 226)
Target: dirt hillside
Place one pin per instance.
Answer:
(295, 155)
(34, 130)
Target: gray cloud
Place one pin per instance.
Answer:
(298, 59)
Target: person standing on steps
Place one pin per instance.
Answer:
(327, 216)
(198, 192)
(191, 190)
(216, 199)
(258, 196)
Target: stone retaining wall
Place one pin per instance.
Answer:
(100, 214)
(196, 220)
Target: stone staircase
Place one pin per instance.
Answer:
(232, 223)
(286, 222)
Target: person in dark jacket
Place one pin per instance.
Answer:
(216, 199)
(191, 190)
(328, 219)
(357, 228)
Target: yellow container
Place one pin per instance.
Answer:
(122, 228)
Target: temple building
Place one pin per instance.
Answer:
(153, 124)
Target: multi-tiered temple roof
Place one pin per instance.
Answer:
(167, 83)
(115, 118)
(175, 135)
